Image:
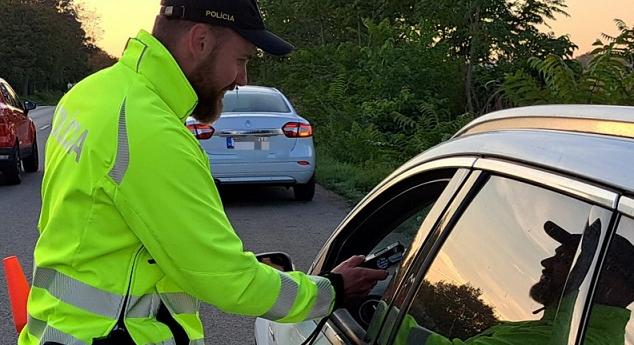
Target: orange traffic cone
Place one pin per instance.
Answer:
(18, 288)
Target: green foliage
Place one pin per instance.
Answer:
(383, 80)
(608, 78)
(350, 180)
(46, 97)
(45, 45)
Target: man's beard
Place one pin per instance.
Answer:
(209, 106)
(210, 96)
(546, 292)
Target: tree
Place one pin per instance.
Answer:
(45, 44)
(606, 76)
(455, 311)
(492, 36)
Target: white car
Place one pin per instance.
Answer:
(519, 230)
(260, 139)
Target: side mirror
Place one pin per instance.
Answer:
(278, 260)
(28, 106)
(201, 131)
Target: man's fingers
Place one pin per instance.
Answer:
(355, 261)
(373, 274)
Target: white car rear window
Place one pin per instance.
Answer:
(243, 102)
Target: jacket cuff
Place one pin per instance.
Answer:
(336, 280)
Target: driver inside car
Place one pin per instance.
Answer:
(609, 313)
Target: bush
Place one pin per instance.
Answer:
(46, 97)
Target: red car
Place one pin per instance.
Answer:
(18, 142)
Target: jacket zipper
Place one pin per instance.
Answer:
(120, 325)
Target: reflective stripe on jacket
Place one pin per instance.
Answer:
(131, 218)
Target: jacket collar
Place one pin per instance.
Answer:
(148, 57)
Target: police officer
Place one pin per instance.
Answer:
(133, 235)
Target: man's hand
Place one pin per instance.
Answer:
(358, 281)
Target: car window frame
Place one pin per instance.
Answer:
(370, 201)
(483, 168)
(625, 209)
(455, 170)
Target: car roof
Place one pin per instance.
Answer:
(598, 119)
(593, 142)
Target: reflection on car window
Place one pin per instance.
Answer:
(503, 274)
(251, 102)
(5, 93)
(611, 318)
(13, 97)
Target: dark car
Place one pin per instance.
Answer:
(519, 230)
(18, 142)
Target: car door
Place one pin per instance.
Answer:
(402, 211)
(8, 115)
(21, 119)
(16, 117)
(511, 262)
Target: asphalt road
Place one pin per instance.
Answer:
(267, 219)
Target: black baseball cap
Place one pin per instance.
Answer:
(620, 252)
(243, 16)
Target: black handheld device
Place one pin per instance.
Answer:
(385, 258)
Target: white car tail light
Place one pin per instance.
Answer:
(298, 130)
(201, 131)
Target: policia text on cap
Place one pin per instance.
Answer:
(133, 235)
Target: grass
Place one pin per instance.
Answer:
(351, 181)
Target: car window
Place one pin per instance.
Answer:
(392, 221)
(251, 102)
(611, 316)
(13, 97)
(503, 273)
(5, 94)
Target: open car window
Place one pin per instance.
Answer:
(392, 224)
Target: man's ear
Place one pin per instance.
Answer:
(201, 41)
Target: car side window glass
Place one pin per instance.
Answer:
(611, 317)
(5, 94)
(13, 97)
(503, 273)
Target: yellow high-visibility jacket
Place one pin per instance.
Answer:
(131, 220)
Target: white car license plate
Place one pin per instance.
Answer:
(248, 144)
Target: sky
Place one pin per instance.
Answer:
(121, 19)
